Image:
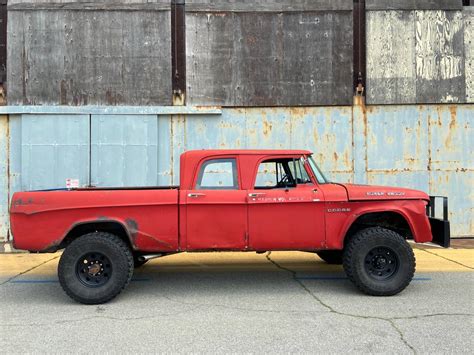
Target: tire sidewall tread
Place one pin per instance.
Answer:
(117, 252)
(358, 247)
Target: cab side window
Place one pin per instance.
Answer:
(218, 174)
(281, 173)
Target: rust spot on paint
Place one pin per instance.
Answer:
(21, 202)
(452, 126)
(267, 128)
(132, 226)
(53, 246)
(299, 112)
(335, 156)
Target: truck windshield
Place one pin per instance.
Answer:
(319, 175)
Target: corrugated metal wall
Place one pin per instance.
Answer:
(426, 147)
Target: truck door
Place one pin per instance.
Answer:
(286, 210)
(216, 207)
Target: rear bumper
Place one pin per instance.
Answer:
(440, 228)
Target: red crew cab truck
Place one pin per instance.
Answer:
(239, 200)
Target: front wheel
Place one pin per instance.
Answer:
(379, 261)
(95, 268)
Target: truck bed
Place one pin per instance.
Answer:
(149, 216)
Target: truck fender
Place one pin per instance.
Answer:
(356, 216)
(123, 229)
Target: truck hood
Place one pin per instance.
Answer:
(370, 192)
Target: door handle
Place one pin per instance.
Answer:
(196, 194)
(256, 194)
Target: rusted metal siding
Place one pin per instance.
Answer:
(278, 54)
(428, 147)
(96, 56)
(416, 56)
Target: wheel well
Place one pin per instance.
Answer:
(390, 220)
(115, 228)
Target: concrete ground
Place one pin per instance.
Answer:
(241, 303)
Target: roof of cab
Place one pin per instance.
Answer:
(209, 152)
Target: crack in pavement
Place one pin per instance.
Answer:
(445, 258)
(238, 308)
(30, 269)
(65, 321)
(332, 310)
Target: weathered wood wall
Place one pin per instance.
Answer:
(416, 55)
(264, 53)
(238, 53)
(468, 19)
(63, 54)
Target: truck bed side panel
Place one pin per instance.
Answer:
(41, 220)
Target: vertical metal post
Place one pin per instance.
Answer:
(359, 47)
(178, 51)
(3, 49)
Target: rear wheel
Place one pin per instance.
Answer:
(95, 268)
(331, 256)
(379, 261)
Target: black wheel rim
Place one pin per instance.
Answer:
(94, 269)
(381, 263)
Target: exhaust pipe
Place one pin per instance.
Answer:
(149, 257)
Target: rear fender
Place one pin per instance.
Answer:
(124, 229)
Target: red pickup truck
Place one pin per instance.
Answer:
(240, 200)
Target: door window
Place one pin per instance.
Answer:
(281, 173)
(218, 174)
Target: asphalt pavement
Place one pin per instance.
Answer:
(279, 302)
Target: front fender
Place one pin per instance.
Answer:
(412, 211)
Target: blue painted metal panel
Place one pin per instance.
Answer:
(54, 148)
(458, 186)
(326, 131)
(359, 141)
(397, 139)
(165, 152)
(124, 150)
(15, 153)
(451, 136)
(428, 148)
(423, 147)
